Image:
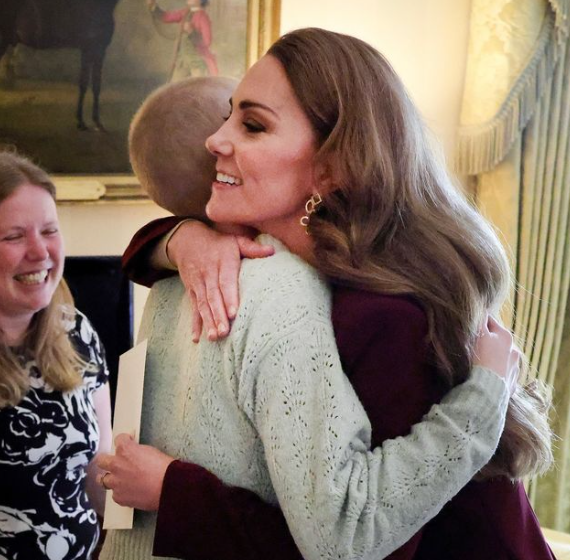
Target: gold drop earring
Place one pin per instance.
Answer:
(310, 208)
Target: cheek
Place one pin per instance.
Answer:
(9, 260)
(58, 255)
(56, 248)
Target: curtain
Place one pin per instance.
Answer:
(514, 137)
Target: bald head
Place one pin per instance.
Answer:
(166, 142)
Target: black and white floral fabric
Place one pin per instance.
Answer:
(46, 443)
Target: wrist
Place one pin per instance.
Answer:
(169, 253)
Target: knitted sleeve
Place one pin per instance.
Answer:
(340, 499)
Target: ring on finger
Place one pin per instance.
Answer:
(102, 480)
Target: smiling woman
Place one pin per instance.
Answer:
(267, 150)
(413, 269)
(54, 395)
(31, 257)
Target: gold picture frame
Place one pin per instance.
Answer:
(85, 184)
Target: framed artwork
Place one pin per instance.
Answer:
(73, 73)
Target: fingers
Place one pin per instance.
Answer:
(250, 249)
(212, 282)
(104, 480)
(229, 287)
(492, 324)
(214, 293)
(123, 439)
(196, 318)
(220, 325)
(104, 461)
(515, 359)
(203, 307)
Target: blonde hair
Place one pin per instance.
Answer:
(394, 222)
(46, 340)
(167, 142)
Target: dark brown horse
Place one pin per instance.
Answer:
(86, 25)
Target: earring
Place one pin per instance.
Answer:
(310, 208)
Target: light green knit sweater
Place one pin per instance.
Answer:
(269, 409)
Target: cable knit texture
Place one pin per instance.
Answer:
(269, 409)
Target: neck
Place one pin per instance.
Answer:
(13, 329)
(294, 236)
(235, 229)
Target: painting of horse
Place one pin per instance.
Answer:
(73, 73)
(86, 25)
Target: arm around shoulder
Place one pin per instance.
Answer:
(341, 499)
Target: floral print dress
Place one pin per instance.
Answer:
(46, 442)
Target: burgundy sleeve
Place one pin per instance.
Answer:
(136, 256)
(201, 518)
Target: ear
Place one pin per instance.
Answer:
(325, 182)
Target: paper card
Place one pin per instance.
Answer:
(128, 409)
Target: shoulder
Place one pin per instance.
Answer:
(78, 326)
(87, 343)
(280, 297)
(376, 306)
(373, 323)
(375, 312)
(283, 282)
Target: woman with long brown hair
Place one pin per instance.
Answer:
(324, 118)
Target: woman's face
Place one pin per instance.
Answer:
(265, 153)
(31, 252)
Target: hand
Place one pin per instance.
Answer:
(209, 264)
(135, 473)
(496, 351)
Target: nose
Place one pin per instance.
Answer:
(219, 143)
(37, 248)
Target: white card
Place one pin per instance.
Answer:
(128, 409)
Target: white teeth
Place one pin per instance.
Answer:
(229, 179)
(34, 278)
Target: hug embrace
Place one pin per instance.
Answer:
(349, 393)
(256, 443)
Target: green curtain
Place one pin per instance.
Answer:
(543, 275)
(515, 139)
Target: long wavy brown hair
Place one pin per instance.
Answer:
(46, 340)
(394, 222)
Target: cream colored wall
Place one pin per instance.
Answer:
(426, 42)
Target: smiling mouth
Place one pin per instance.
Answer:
(228, 179)
(33, 277)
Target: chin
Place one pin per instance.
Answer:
(220, 215)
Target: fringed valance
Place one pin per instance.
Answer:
(508, 69)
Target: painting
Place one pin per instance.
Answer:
(73, 72)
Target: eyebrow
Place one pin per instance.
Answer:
(246, 104)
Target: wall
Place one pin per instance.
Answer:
(104, 229)
(426, 42)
